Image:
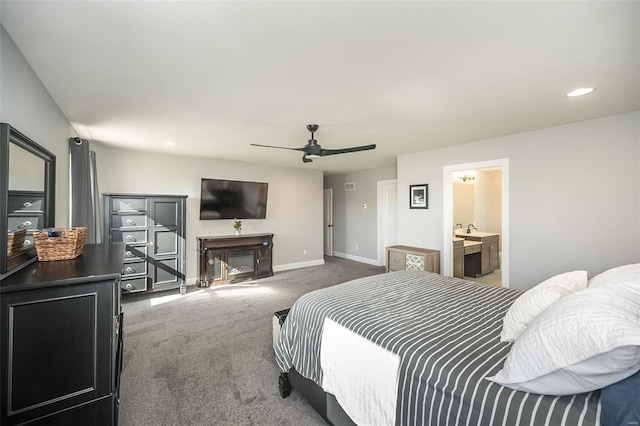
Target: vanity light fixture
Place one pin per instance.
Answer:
(580, 91)
(465, 178)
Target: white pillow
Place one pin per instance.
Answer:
(626, 273)
(534, 301)
(583, 342)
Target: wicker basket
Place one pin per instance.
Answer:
(15, 241)
(68, 245)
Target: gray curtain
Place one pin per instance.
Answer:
(84, 198)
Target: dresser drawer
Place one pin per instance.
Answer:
(25, 222)
(134, 268)
(135, 252)
(134, 285)
(129, 236)
(25, 203)
(477, 248)
(397, 261)
(128, 221)
(415, 262)
(129, 205)
(491, 240)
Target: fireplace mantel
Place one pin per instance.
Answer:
(224, 259)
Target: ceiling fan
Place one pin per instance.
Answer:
(313, 150)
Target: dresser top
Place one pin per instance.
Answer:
(409, 249)
(130, 195)
(234, 237)
(98, 262)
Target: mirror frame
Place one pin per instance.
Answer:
(9, 135)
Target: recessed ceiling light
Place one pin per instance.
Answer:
(579, 92)
(169, 143)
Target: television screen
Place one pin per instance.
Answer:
(232, 199)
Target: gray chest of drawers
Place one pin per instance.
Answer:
(153, 228)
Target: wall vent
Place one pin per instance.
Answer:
(351, 186)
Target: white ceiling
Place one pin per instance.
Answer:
(213, 77)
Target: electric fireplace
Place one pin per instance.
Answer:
(229, 259)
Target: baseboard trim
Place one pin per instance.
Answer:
(288, 266)
(278, 268)
(373, 262)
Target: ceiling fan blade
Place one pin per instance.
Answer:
(279, 147)
(313, 150)
(325, 152)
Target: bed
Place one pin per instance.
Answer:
(445, 335)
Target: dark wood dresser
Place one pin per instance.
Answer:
(61, 340)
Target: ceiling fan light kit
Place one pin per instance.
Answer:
(313, 150)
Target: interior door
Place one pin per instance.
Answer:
(328, 222)
(388, 213)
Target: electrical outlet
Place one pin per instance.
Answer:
(304, 252)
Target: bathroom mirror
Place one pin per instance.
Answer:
(27, 188)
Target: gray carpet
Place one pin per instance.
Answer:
(206, 358)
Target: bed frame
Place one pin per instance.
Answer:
(324, 403)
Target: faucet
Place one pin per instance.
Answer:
(458, 226)
(469, 228)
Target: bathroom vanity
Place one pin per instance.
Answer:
(481, 253)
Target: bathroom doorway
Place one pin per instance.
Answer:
(476, 199)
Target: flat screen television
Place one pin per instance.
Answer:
(232, 199)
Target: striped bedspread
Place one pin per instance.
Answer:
(447, 333)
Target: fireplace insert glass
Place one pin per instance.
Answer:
(240, 264)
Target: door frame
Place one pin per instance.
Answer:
(447, 213)
(381, 248)
(327, 232)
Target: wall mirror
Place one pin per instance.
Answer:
(27, 191)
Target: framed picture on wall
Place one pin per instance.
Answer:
(419, 196)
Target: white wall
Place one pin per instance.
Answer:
(463, 203)
(488, 200)
(294, 211)
(294, 204)
(352, 225)
(27, 105)
(574, 196)
(26, 170)
(492, 209)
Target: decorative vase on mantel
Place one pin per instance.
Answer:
(237, 226)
